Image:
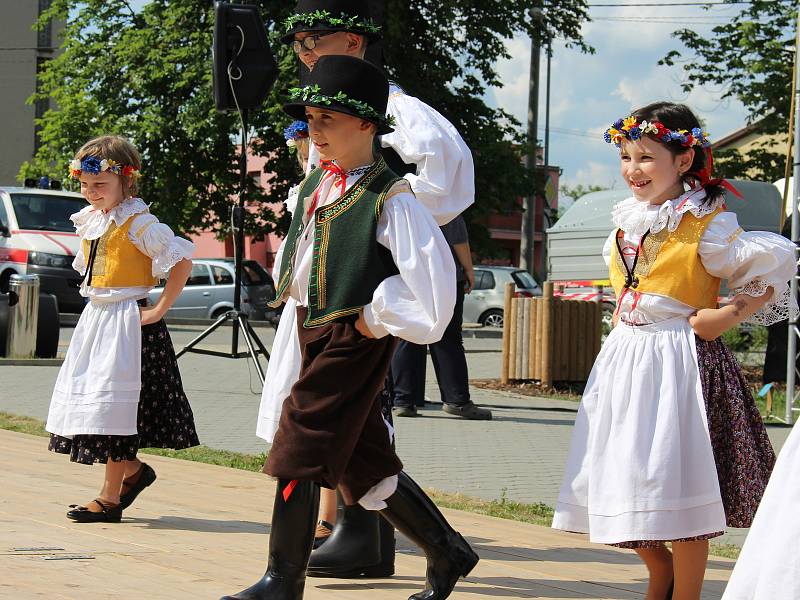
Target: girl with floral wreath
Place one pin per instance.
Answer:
(668, 445)
(119, 388)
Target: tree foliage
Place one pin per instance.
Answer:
(750, 59)
(146, 74)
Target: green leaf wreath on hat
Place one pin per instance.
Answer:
(353, 22)
(311, 94)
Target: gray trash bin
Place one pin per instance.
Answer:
(23, 316)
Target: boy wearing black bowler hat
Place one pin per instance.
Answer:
(364, 263)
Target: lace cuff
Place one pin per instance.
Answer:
(171, 255)
(781, 307)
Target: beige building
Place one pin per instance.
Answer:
(748, 138)
(23, 52)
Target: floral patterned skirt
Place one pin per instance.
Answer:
(742, 450)
(165, 419)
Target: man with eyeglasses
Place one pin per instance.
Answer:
(429, 152)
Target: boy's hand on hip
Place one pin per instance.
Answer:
(150, 315)
(361, 326)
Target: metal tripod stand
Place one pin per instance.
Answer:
(240, 320)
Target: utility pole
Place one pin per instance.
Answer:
(531, 201)
(794, 327)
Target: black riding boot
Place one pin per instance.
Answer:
(449, 556)
(361, 545)
(290, 541)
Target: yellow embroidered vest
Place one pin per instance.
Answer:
(118, 263)
(669, 265)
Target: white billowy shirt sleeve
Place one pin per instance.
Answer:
(445, 178)
(607, 247)
(751, 262)
(417, 304)
(156, 240)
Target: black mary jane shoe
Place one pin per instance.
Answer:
(81, 514)
(146, 477)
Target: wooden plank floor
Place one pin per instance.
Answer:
(200, 532)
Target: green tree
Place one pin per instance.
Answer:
(146, 74)
(750, 59)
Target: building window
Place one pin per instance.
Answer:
(41, 105)
(44, 39)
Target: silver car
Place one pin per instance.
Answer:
(209, 290)
(486, 302)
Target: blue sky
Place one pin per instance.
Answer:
(588, 92)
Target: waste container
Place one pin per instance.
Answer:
(23, 316)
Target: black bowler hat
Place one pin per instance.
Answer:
(331, 15)
(347, 85)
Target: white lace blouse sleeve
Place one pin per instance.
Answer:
(291, 198)
(79, 262)
(751, 261)
(156, 240)
(445, 180)
(417, 304)
(609, 244)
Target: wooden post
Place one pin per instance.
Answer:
(547, 334)
(539, 337)
(512, 355)
(520, 322)
(532, 339)
(526, 338)
(504, 370)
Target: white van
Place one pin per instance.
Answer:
(37, 238)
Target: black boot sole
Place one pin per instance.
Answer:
(370, 572)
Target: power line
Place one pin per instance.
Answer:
(668, 4)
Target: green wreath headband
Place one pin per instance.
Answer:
(344, 21)
(311, 94)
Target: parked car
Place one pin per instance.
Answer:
(486, 302)
(210, 287)
(37, 238)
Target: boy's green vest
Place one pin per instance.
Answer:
(348, 263)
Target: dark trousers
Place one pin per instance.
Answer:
(331, 429)
(449, 362)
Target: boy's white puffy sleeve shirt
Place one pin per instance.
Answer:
(445, 179)
(417, 304)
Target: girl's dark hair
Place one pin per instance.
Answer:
(679, 116)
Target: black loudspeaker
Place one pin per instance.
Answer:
(48, 327)
(375, 49)
(244, 68)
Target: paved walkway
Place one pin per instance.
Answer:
(519, 455)
(173, 545)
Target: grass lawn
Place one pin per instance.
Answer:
(538, 514)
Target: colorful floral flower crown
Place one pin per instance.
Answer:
(311, 93)
(344, 21)
(631, 129)
(298, 130)
(96, 165)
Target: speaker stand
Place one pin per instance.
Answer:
(239, 319)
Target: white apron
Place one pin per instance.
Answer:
(640, 465)
(97, 390)
(769, 564)
(283, 371)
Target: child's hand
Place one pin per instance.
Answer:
(361, 326)
(708, 324)
(150, 315)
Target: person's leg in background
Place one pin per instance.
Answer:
(450, 364)
(408, 378)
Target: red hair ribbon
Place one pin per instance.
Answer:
(704, 175)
